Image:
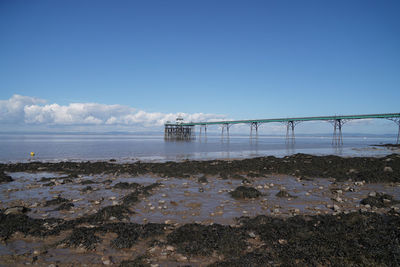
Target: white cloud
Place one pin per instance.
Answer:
(33, 111)
(12, 110)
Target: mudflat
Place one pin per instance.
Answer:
(299, 210)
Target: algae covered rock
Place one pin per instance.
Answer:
(284, 193)
(5, 178)
(243, 192)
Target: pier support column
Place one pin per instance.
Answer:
(254, 126)
(337, 139)
(397, 121)
(290, 137)
(203, 128)
(226, 127)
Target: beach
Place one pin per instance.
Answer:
(266, 211)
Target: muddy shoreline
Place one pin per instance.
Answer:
(300, 210)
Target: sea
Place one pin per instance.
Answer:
(127, 147)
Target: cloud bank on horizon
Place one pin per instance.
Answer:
(27, 110)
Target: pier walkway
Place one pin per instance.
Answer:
(185, 130)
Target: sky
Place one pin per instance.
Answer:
(133, 65)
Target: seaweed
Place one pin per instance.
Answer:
(243, 192)
(140, 261)
(5, 178)
(197, 239)
(379, 200)
(65, 206)
(82, 237)
(125, 185)
(88, 182)
(284, 193)
(56, 201)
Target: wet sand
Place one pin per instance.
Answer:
(309, 211)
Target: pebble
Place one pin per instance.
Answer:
(338, 199)
(182, 258)
(336, 207)
(372, 194)
(282, 241)
(170, 248)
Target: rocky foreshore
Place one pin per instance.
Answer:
(300, 210)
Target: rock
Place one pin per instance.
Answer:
(202, 180)
(170, 248)
(181, 258)
(245, 192)
(388, 169)
(106, 260)
(5, 178)
(336, 208)
(252, 235)
(16, 210)
(372, 194)
(380, 200)
(359, 183)
(338, 199)
(284, 193)
(282, 241)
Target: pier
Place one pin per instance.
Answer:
(185, 131)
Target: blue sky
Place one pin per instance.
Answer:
(238, 59)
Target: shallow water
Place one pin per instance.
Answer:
(125, 147)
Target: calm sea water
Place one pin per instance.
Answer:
(128, 147)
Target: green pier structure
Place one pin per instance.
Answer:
(185, 130)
